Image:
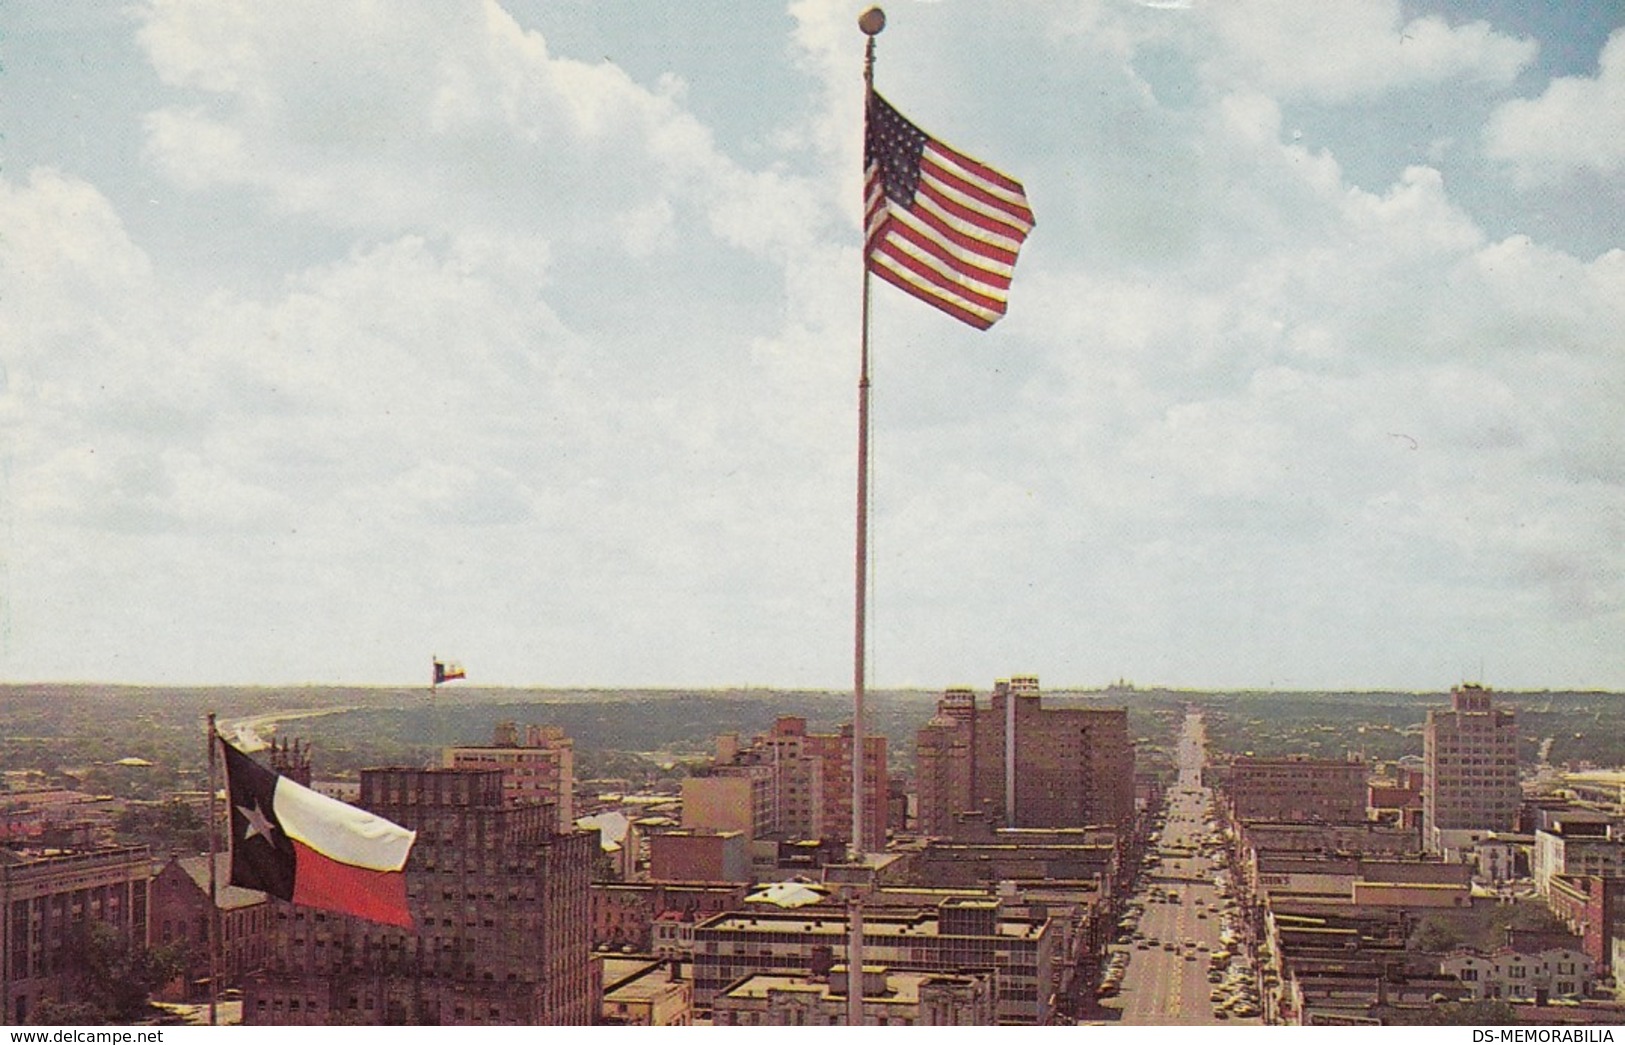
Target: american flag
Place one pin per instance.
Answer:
(939, 225)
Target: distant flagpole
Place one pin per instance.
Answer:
(214, 885)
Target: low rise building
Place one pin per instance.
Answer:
(956, 935)
(1529, 967)
(180, 913)
(890, 998)
(1503, 856)
(641, 992)
(624, 914)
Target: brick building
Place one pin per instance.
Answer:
(1296, 788)
(624, 913)
(502, 906)
(1064, 767)
(698, 856)
(1593, 907)
(45, 898)
(180, 912)
(538, 766)
(790, 784)
(945, 763)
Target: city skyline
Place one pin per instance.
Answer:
(525, 335)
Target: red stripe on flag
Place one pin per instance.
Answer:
(980, 169)
(958, 287)
(963, 260)
(989, 203)
(990, 224)
(320, 881)
(954, 309)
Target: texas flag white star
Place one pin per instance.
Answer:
(258, 824)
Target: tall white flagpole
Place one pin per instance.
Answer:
(871, 22)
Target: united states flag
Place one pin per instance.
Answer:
(939, 224)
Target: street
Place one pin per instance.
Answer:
(1178, 958)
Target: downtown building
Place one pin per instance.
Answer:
(179, 913)
(790, 784)
(1296, 788)
(48, 897)
(1469, 770)
(1016, 763)
(957, 936)
(501, 902)
(538, 766)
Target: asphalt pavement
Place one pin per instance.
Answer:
(1171, 942)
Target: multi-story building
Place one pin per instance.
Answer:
(1593, 908)
(501, 901)
(180, 912)
(790, 784)
(291, 757)
(731, 797)
(890, 999)
(798, 779)
(1470, 770)
(1296, 788)
(834, 751)
(1578, 847)
(957, 935)
(47, 897)
(538, 767)
(1020, 764)
(698, 856)
(945, 763)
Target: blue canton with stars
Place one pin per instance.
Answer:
(894, 145)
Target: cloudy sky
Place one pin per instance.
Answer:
(335, 335)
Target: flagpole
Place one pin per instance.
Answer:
(871, 22)
(214, 886)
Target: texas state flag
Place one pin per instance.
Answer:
(290, 842)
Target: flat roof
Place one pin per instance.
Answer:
(875, 923)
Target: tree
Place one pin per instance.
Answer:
(111, 976)
(1455, 1014)
(171, 826)
(1436, 936)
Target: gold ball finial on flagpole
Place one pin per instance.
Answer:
(872, 21)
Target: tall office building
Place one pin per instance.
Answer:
(502, 906)
(945, 763)
(1017, 763)
(800, 786)
(1470, 769)
(538, 766)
